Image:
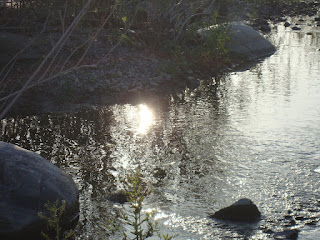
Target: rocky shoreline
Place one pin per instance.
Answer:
(128, 74)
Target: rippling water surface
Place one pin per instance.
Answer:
(253, 133)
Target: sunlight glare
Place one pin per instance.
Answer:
(146, 119)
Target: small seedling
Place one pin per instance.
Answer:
(141, 224)
(53, 221)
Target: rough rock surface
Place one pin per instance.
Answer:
(27, 183)
(242, 210)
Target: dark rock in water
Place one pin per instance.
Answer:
(286, 24)
(159, 173)
(27, 183)
(312, 222)
(265, 28)
(287, 217)
(296, 28)
(280, 19)
(242, 210)
(290, 223)
(300, 218)
(290, 234)
(263, 25)
(117, 197)
(317, 19)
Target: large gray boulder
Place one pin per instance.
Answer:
(27, 183)
(243, 210)
(245, 41)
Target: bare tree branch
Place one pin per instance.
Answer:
(14, 58)
(61, 40)
(96, 34)
(178, 12)
(74, 68)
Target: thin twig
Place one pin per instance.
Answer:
(61, 19)
(7, 73)
(185, 22)
(65, 37)
(68, 70)
(72, 53)
(204, 12)
(48, 79)
(64, 15)
(119, 42)
(94, 37)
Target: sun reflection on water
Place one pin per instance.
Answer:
(135, 119)
(146, 119)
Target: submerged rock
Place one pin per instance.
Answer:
(27, 183)
(242, 210)
(117, 197)
(296, 28)
(287, 24)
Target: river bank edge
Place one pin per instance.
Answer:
(131, 75)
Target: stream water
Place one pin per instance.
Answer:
(252, 133)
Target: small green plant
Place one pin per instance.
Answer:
(215, 43)
(205, 43)
(141, 224)
(166, 236)
(179, 63)
(53, 220)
